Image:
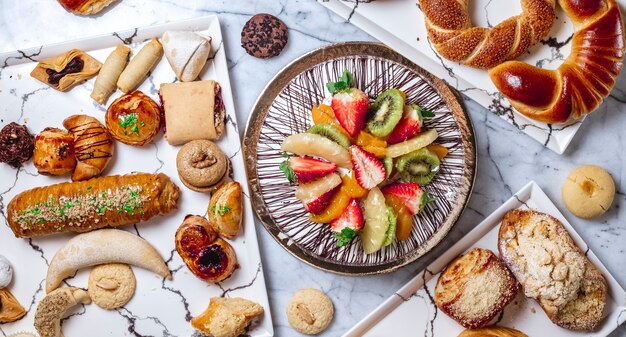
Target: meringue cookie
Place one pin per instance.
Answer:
(6, 272)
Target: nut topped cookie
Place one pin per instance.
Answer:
(310, 311)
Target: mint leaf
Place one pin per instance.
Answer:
(426, 113)
(426, 199)
(331, 87)
(390, 235)
(344, 237)
(289, 173)
(346, 77)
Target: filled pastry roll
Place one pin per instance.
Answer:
(193, 110)
(106, 82)
(140, 66)
(187, 53)
(66, 70)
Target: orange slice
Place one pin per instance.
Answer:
(440, 150)
(404, 220)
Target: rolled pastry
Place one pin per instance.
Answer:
(193, 110)
(187, 53)
(140, 66)
(66, 70)
(110, 72)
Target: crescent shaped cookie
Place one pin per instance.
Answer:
(100, 247)
(53, 306)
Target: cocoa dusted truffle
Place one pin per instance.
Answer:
(264, 36)
(16, 144)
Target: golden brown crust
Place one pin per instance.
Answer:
(10, 309)
(85, 7)
(581, 83)
(492, 331)
(451, 32)
(133, 119)
(474, 288)
(225, 210)
(64, 71)
(93, 146)
(54, 152)
(226, 317)
(552, 269)
(87, 205)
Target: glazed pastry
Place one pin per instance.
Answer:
(93, 146)
(474, 288)
(202, 166)
(492, 331)
(6, 272)
(66, 70)
(205, 254)
(106, 82)
(588, 191)
(54, 152)
(111, 285)
(53, 306)
(16, 144)
(133, 119)
(102, 247)
(225, 210)
(552, 270)
(85, 7)
(226, 317)
(139, 67)
(187, 53)
(87, 205)
(10, 309)
(192, 110)
(310, 311)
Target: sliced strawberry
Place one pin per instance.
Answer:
(368, 170)
(411, 195)
(410, 124)
(348, 223)
(317, 195)
(350, 105)
(308, 169)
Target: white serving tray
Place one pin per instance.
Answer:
(400, 24)
(414, 302)
(159, 307)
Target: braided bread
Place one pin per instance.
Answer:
(584, 79)
(451, 32)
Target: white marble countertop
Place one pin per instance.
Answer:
(508, 159)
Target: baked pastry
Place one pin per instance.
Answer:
(225, 210)
(6, 272)
(206, 255)
(10, 309)
(102, 247)
(22, 334)
(310, 311)
(53, 306)
(226, 317)
(580, 84)
(85, 7)
(451, 32)
(54, 152)
(64, 71)
(140, 66)
(93, 146)
(187, 53)
(588, 191)
(87, 205)
(474, 288)
(264, 36)
(193, 110)
(552, 270)
(16, 144)
(202, 166)
(133, 119)
(106, 82)
(111, 285)
(492, 331)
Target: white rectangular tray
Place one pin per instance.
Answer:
(159, 307)
(400, 24)
(414, 302)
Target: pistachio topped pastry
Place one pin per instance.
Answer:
(66, 70)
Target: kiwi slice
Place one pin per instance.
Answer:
(328, 131)
(388, 165)
(419, 166)
(385, 112)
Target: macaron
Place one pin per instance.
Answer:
(588, 191)
(264, 36)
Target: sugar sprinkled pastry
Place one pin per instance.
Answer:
(264, 36)
(6, 272)
(187, 52)
(588, 191)
(310, 311)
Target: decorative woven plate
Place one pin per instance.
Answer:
(284, 108)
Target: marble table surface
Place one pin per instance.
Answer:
(508, 159)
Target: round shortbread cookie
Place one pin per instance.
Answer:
(111, 285)
(588, 191)
(310, 311)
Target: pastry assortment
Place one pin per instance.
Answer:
(133, 119)
(64, 71)
(588, 191)
(389, 151)
(310, 311)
